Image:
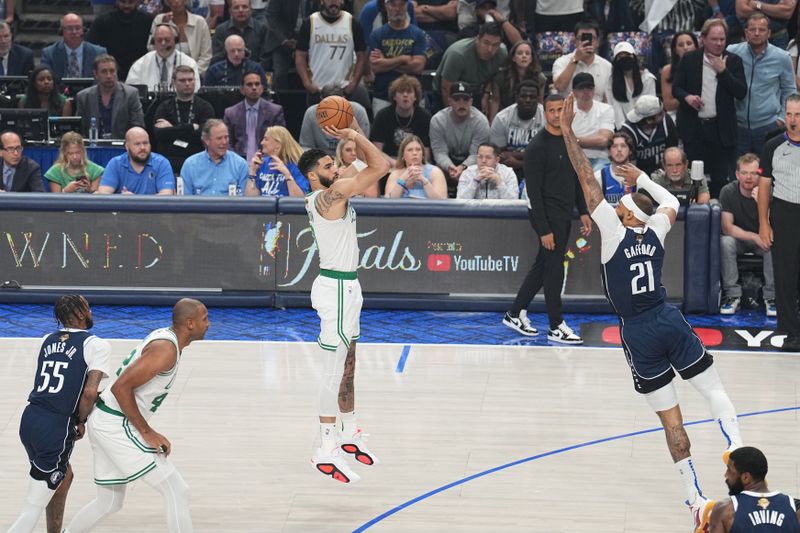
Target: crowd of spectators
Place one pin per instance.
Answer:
(451, 91)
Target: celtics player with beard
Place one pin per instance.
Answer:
(336, 295)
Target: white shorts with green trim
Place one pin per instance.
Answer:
(338, 304)
(121, 455)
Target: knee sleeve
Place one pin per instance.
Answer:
(331, 380)
(708, 384)
(662, 399)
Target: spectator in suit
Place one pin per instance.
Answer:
(138, 171)
(194, 38)
(284, 18)
(249, 119)
(123, 31)
(71, 57)
(15, 59)
(155, 68)
(19, 173)
(245, 26)
(707, 84)
(230, 70)
(115, 106)
(42, 94)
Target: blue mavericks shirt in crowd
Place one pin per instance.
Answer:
(613, 190)
(632, 277)
(272, 183)
(156, 175)
(60, 372)
(772, 512)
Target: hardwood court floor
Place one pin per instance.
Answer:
(241, 420)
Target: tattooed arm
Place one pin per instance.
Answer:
(591, 189)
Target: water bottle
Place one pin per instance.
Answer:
(179, 186)
(93, 134)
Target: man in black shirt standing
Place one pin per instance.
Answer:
(554, 192)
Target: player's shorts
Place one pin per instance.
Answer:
(337, 298)
(48, 438)
(121, 455)
(658, 342)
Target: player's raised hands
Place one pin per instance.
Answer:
(344, 133)
(568, 112)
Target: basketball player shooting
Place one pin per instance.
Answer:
(656, 338)
(336, 295)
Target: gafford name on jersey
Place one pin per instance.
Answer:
(640, 249)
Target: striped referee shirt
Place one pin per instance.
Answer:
(780, 160)
(680, 18)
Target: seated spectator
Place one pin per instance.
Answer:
(677, 179)
(71, 57)
(115, 106)
(211, 10)
(488, 179)
(241, 23)
(41, 93)
(467, 11)
(249, 119)
(72, 171)
(349, 164)
(19, 173)
(396, 48)
(628, 82)
(15, 59)
(374, 15)
(439, 19)
(456, 132)
(522, 64)
(178, 119)
(229, 71)
(594, 121)
(583, 60)
(154, 69)
(682, 42)
(739, 227)
(273, 169)
(213, 171)
(611, 177)
(194, 38)
(485, 12)
(472, 61)
(138, 170)
(404, 117)
(412, 177)
(123, 32)
(311, 135)
(514, 127)
(652, 131)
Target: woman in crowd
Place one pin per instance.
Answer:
(194, 37)
(349, 164)
(72, 171)
(42, 94)
(522, 64)
(682, 42)
(628, 82)
(273, 170)
(412, 176)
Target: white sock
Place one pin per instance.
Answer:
(327, 433)
(349, 425)
(689, 476)
(39, 495)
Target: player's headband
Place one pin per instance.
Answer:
(628, 202)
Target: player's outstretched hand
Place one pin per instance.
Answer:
(344, 133)
(568, 112)
(158, 441)
(630, 172)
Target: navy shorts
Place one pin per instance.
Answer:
(48, 438)
(657, 343)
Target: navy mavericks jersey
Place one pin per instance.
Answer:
(60, 372)
(632, 277)
(756, 513)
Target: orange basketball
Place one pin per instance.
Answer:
(334, 111)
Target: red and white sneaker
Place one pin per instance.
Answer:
(701, 514)
(356, 447)
(334, 465)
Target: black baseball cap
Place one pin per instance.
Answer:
(582, 80)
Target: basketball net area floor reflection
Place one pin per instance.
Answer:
(241, 418)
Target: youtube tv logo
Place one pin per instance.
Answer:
(439, 262)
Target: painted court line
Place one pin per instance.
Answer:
(401, 363)
(558, 451)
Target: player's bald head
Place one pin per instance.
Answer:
(185, 309)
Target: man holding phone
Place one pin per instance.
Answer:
(583, 59)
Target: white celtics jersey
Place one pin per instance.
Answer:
(336, 240)
(150, 395)
(331, 50)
